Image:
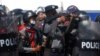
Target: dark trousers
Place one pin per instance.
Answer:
(55, 52)
(14, 53)
(41, 53)
(49, 52)
(27, 54)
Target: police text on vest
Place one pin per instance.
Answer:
(7, 42)
(90, 45)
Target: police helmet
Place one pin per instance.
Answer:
(2, 13)
(72, 9)
(7, 23)
(29, 14)
(16, 12)
(40, 9)
(8, 32)
(83, 15)
(3, 16)
(4, 8)
(97, 19)
(40, 12)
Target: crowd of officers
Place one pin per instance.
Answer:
(46, 33)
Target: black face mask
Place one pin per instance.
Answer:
(50, 19)
(32, 23)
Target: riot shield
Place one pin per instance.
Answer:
(8, 24)
(8, 35)
(88, 43)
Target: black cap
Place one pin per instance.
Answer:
(50, 7)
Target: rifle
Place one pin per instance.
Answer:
(70, 24)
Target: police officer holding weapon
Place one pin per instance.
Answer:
(32, 39)
(85, 35)
(71, 30)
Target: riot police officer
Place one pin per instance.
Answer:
(87, 38)
(18, 13)
(50, 11)
(32, 38)
(40, 25)
(4, 8)
(8, 35)
(51, 14)
(97, 19)
(52, 32)
(71, 30)
(84, 16)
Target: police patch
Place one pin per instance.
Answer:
(8, 42)
(93, 45)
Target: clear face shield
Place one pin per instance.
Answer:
(8, 24)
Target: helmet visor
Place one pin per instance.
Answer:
(8, 24)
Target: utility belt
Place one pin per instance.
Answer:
(57, 50)
(8, 42)
(89, 45)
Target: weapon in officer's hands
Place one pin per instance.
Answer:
(69, 26)
(27, 37)
(28, 49)
(62, 8)
(26, 40)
